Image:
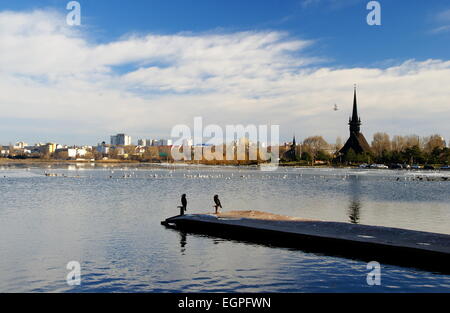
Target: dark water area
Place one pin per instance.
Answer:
(107, 218)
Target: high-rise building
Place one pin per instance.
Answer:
(165, 142)
(120, 140)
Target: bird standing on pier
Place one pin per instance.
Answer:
(217, 203)
(183, 207)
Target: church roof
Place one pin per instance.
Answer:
(357, 142)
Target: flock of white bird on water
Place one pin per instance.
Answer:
(242, 174)
(127, 173)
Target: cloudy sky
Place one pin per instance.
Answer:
(142, 67)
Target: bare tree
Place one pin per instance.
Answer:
(413, 141)
(314, 144)
(433, 142)
(380, 143)
(398, 143)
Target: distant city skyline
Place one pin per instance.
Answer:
(143, 67)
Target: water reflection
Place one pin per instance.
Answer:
(183, 241)
(353, 211)
(355, 202)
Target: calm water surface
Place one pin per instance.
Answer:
(108, 219)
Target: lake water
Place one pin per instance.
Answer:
(108, 219)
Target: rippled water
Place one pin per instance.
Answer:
(108, 219)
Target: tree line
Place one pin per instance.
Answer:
(410, 149)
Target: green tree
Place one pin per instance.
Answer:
(306, 156)
(414, 155)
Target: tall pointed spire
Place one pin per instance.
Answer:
(355, 106)
(355, 121)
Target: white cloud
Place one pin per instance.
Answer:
(443, 16)
(51, 71)
(442, 19)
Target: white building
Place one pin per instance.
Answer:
(81, 152)
(20, 145)
(72, 153)
(4, 150)
(154, 142)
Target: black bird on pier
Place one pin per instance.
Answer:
(217, 203)
(183, 207)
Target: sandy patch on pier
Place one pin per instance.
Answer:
(258, 215)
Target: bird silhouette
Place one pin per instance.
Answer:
(217, 203)
(183, 207)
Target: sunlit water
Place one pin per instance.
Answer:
(108, 219)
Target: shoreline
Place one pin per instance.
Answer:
(49, 161)
(120, 161)
(112, 162)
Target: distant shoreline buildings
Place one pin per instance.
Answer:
(312, 151)
(120, 147)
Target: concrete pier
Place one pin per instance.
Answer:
(425, 250)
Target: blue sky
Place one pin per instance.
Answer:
(339, 26)
(330, 36)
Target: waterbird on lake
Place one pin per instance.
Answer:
(183, 206)
(184, 201)
(217, 203)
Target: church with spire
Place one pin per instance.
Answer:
(291, 154)
(356, 142)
